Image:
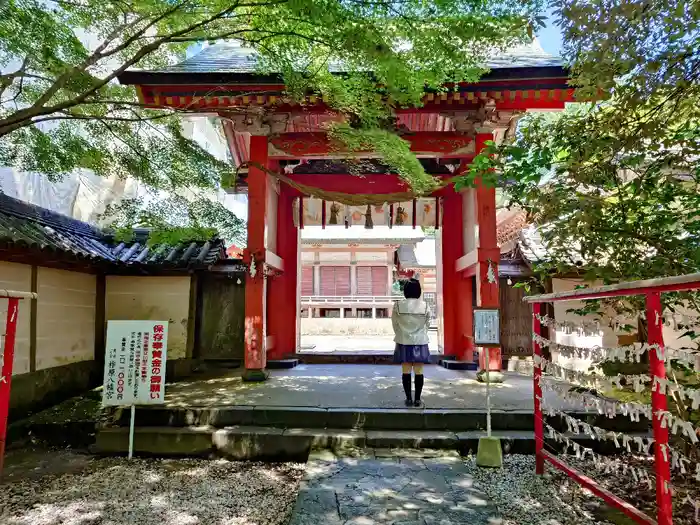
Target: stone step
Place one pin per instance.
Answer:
(356, 418)
(310, 417)
(251, 442)
(272, 443)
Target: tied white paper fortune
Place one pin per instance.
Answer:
(585, 328)
(620, 439)
(679, 461)
(610, 408)
(693, 503)
(601, 463)
(592, 380)
(629, 353)
(638, 381)
(675, 320)
(679, 321)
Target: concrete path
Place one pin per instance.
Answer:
(399, 487)
(354, 386)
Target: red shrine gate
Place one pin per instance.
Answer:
(272, 133)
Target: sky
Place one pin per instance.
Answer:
(550, 36)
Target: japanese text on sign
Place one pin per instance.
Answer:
(135, 362)
(486, 327)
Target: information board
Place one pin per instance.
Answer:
(135, 356)
(486, 327)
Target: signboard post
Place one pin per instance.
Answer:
(487, 334)
(136, 353)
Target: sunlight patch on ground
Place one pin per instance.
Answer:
(118, 491)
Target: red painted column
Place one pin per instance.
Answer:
(255, 358)
(282, 309)
(6, 371)
(489, 254)
(453, 285)
(659, 403)
(537, 390)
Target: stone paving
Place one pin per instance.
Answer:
(391, 487)
(353, 386)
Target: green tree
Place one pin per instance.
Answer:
(61, 107)
(616, 183)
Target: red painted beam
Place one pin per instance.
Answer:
(375, 184)
(441, 105)
(314, 144)
(637, 515)
(680, 287)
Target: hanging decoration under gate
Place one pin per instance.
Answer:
(419, 213)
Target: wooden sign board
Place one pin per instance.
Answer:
(487, 327)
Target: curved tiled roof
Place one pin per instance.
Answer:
(231, 57)
(24, 225)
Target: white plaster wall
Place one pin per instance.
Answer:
(606, 337)
(271, 214)
(348, 326)
(438, 286)
(65, 330)
(469, 231)
(152, 298)
(17, 277)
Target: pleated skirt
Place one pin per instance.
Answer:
(411, 354)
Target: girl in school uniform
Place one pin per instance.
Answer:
(411, 319)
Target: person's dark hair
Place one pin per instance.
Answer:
(412, 290)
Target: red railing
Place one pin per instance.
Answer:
(8, 353)
(652, 289)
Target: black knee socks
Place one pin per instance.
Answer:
(406, 380)
(419, 386)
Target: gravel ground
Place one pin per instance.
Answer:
(116, 491)
(524, 498)
(640, 494)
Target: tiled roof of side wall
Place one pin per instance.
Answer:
(24, 225)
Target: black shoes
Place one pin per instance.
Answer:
(419, 389)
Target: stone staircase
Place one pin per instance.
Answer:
(275, 433)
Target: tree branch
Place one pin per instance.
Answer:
(24, 118)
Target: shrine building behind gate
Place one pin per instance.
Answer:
(292, 164)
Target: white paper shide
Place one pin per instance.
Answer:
(135, 357)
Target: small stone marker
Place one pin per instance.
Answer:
(489, 453)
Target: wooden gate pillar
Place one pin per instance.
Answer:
(488, 253)
(453, 285)
(283, 308)
(255, 338)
